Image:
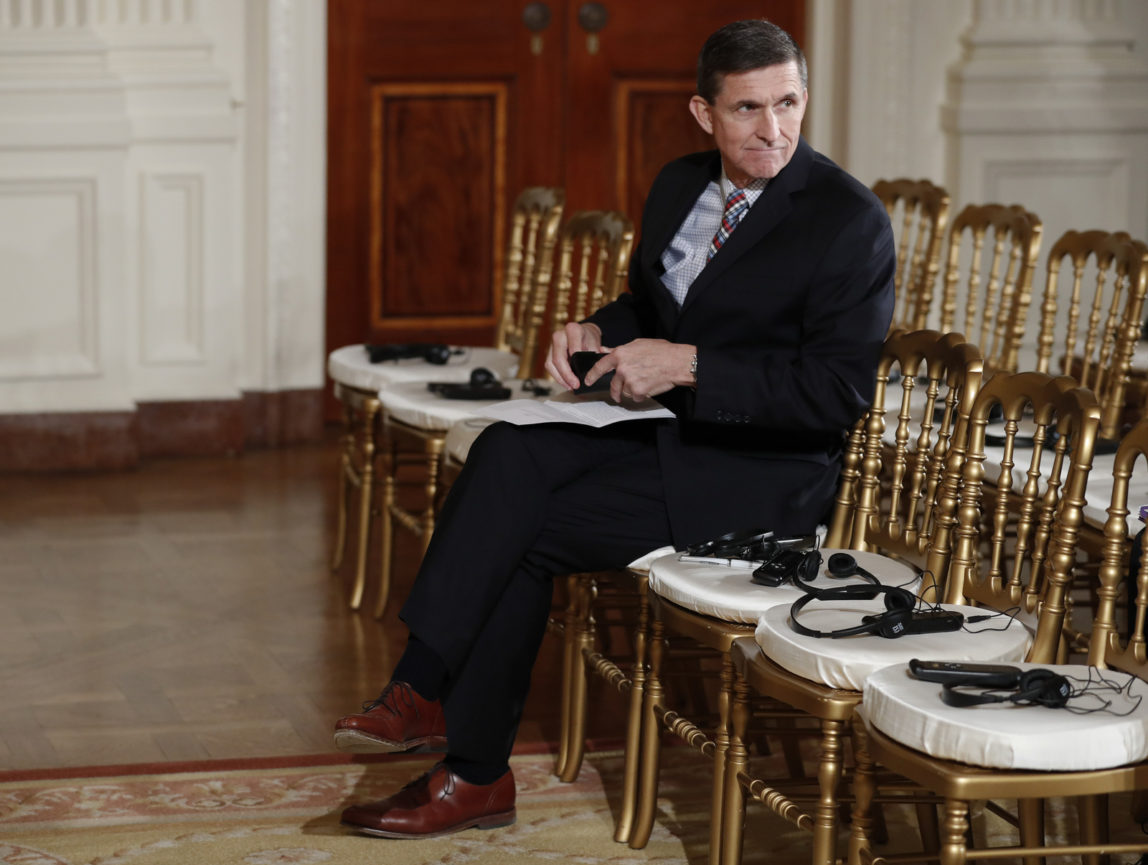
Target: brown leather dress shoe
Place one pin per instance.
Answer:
(436, 804)
(398, 720)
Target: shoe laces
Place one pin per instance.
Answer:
(424, 779)
(394, 696)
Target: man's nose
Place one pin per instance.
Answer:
(768, 128)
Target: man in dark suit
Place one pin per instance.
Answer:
(759, 299)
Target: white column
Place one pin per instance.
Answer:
(1048, 107)
(183, 228)
(877, 77)
(285, 332)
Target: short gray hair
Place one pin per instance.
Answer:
(742, 46)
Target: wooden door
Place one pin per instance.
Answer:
(440, 112)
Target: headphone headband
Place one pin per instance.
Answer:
(900, 617)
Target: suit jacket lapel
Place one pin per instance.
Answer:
(770, 209)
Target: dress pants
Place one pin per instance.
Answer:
(531, 503)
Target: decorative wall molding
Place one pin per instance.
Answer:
(153, 311)
(171, 268)
(48, 227)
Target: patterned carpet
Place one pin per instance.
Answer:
(276, 815)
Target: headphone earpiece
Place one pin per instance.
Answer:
(480, 376)
(438, 354)
(1039, 686)
(843, 565)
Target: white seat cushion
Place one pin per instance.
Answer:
(350, 365)
(1008, 735)
(847, 662)
(461, 436)
(644, 563)
(725, 592)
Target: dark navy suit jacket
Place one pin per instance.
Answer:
(789, 318)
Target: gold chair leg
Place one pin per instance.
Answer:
(721, 750)
(955, 826)
(1031, 815)
(828, 779)
(635, 717)
(387, 544)
(864, 787)
(570, 665)
(434, 446)
(736, 763)
(580, 640)
(929, 827)
(347, 444)
(650, 752)
(366, 496)
(1091, 815)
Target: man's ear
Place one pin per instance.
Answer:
(700, 109)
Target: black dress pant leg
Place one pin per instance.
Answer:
(532, 503)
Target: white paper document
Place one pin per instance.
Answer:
(591, 409)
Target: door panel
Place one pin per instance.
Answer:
(439, 113)
(422, 137)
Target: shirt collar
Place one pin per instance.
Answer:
(752, 190)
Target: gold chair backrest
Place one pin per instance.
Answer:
(534, 225)
(1017, 531)
(1098, 338)
(1107, 647)
(996, 294)
(593, 262)
(902, 466)
(919, 211)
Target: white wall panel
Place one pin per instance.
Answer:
(48, 328)
(171, 263)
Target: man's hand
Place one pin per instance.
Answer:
(571, 338)
(645, 368)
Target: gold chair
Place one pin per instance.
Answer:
(593, 251)
(1074, 757)
(898, 496)
(1096, 341)
(534, 225)
(996, 294)
(921, 209)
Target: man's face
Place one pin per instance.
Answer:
(755, 120)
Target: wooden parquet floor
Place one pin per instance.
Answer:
(186, 611)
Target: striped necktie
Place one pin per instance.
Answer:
(736, 204)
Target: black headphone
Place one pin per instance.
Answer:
(1037, 686)
(432, 352)
(750, 545)
(480, 376)
(801, 566)
(900, 617)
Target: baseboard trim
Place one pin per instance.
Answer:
(95, 441)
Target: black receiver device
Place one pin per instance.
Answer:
(431, 352)
(483, 384)
(580, 363)
(997, 683)
(987, 675)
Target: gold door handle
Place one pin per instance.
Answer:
(536, 17)
(592, 18)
